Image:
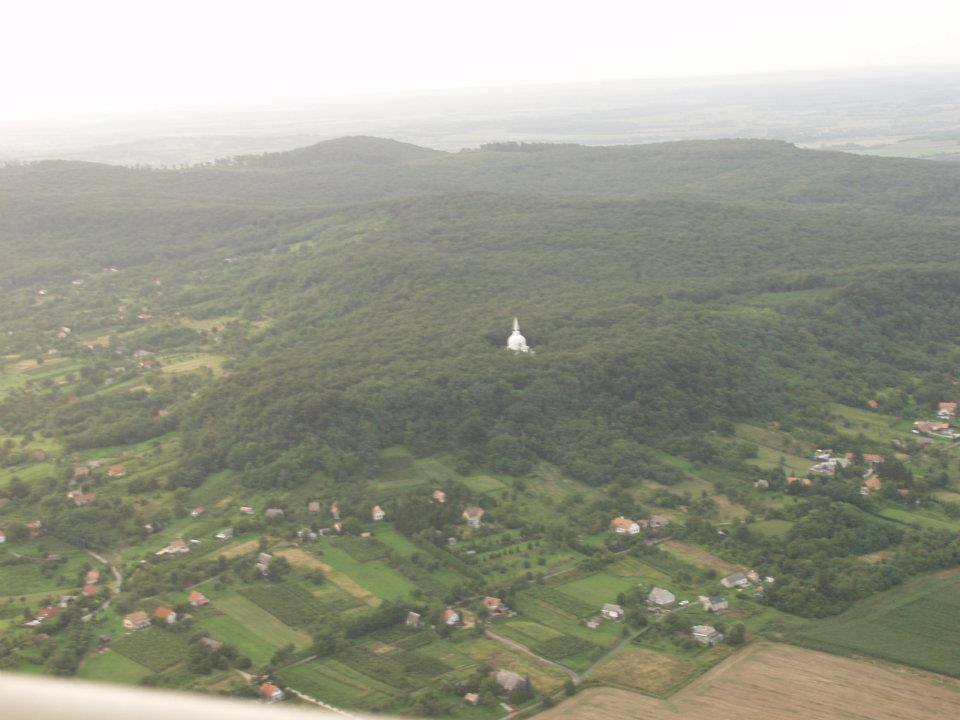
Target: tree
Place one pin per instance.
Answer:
(737, 635)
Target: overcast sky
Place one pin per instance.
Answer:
(78, 57)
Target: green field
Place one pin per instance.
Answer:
(29, 577)
(338, 684)
(260, 622)
(254, 641)
(915, 624)
(595, 590)
(153, 648)
(111, 666)
(375, 576)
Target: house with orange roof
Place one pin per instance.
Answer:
(165, 614)
(116, 471)
(270, 692)
(198, 599)
(872, 484)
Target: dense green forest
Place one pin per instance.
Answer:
(355, 297)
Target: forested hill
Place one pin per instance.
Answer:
(669, 291)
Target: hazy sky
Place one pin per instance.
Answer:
(91, 56)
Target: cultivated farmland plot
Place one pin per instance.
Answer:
(155, 649)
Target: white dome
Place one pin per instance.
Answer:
(516, 341)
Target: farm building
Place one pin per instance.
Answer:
(198, 599)
(737, 579)
(116, 471)
(377, 513)
(246, 510)
(225, 534)
(706, 634)
(89, 590)
(471, 699)
(197, 512)
(413, 619)
(335, 510)
(273, 513)
(175, 547)
(439, 496)
(612, 612)
(947, 410)
(713, 603)
(313, 507)
(661, 597)
(451, 616)
(136, 620)
(474, 516)
(92, 577)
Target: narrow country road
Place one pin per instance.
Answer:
(117, 577)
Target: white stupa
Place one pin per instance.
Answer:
(516, 341)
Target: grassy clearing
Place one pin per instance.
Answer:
(191, 362)
(26, 578)
(699, 557)
(110, 666)
(914, 624)
(595, 590)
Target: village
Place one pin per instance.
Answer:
(426, 590)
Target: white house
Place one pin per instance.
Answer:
(706, 634)
(625, 526)
(377, 513)
(612, 612)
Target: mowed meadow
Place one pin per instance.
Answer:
(778, 681)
